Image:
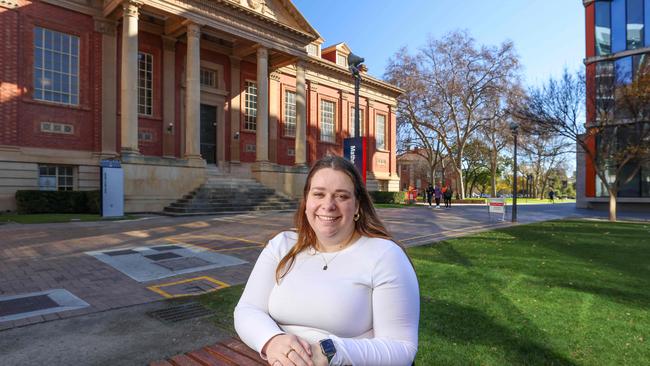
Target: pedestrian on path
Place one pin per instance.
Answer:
(301, 303)
(437, 194)
(447, 195)
(430, 194)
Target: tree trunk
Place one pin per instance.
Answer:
(461, 189)
(612, 205)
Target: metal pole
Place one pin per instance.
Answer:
(514, 183)
(357, 85)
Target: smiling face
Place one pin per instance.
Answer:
(331, 206)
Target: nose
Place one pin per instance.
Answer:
(329, 204)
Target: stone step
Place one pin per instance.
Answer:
(230, 209)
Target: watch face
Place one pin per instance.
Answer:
(328, 347)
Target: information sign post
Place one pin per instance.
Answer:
(497, 206)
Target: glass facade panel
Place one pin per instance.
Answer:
(55, 65)
(603, 28)
(634, 24)
(619, 26)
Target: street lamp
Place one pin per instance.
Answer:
(355, 63)
(514, 127)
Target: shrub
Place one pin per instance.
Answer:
(386, 197)
(32, 201)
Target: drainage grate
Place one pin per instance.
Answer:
(182, 263)
(26, 304)
(162, 248)
(174, 314)
(161, 256)
(115, 253)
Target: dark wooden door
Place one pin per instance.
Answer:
(209, 133)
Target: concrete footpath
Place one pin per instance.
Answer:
(99, 314)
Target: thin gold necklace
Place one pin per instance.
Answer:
(341, 247)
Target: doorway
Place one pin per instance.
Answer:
(209, 133)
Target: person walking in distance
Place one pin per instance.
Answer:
(447, 194)
(430, 194)
(437, 191)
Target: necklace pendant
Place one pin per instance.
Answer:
(325, 267)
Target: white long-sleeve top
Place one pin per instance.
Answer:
(367, 301)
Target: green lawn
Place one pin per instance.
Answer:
(53, 218)
(554, 293)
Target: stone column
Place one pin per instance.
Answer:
(193, 93)
(129, 78)
(235, 108)
(262, 130)
(169, 92)
(109, 86)
(301, 115)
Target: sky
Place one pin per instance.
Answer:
(548, 34)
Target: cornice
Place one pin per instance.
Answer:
(228, 17)
(94, 9)
(326, 64)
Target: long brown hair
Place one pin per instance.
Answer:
(368, 224)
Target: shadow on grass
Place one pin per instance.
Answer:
(465, 325)
(450, 254)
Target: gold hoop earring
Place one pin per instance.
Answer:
(356, 216)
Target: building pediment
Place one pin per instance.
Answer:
(282, 11)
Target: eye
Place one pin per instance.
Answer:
(318, 194)
(342, 196)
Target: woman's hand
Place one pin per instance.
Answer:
(288, 350)
(317, 355)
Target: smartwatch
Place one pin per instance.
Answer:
(328, 349)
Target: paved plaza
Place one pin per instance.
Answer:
(97, 264)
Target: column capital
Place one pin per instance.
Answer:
(193, 30)
(302, 63)
(131, 8)
(262, 52)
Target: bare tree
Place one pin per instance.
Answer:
(452, 84)
(413, 123)
(616, 135)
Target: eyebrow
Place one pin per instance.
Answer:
(323, 189)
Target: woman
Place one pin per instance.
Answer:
(337, 292)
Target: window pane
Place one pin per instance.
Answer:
(327, 121)
(603, 28)
(634, 24)
(289, 113)
(380, 132)
(54, 68)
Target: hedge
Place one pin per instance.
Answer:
(32, 201)
(386, 197)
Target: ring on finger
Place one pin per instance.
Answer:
(289, 351)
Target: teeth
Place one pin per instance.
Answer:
(327, 218)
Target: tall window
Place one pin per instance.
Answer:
(380, 131)
(289, 129)
(250, 108)
(361, 123)
(145, 83)
(55, 178)
(603, 28)
(56, 66)
(634, 24)
(327, 110)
